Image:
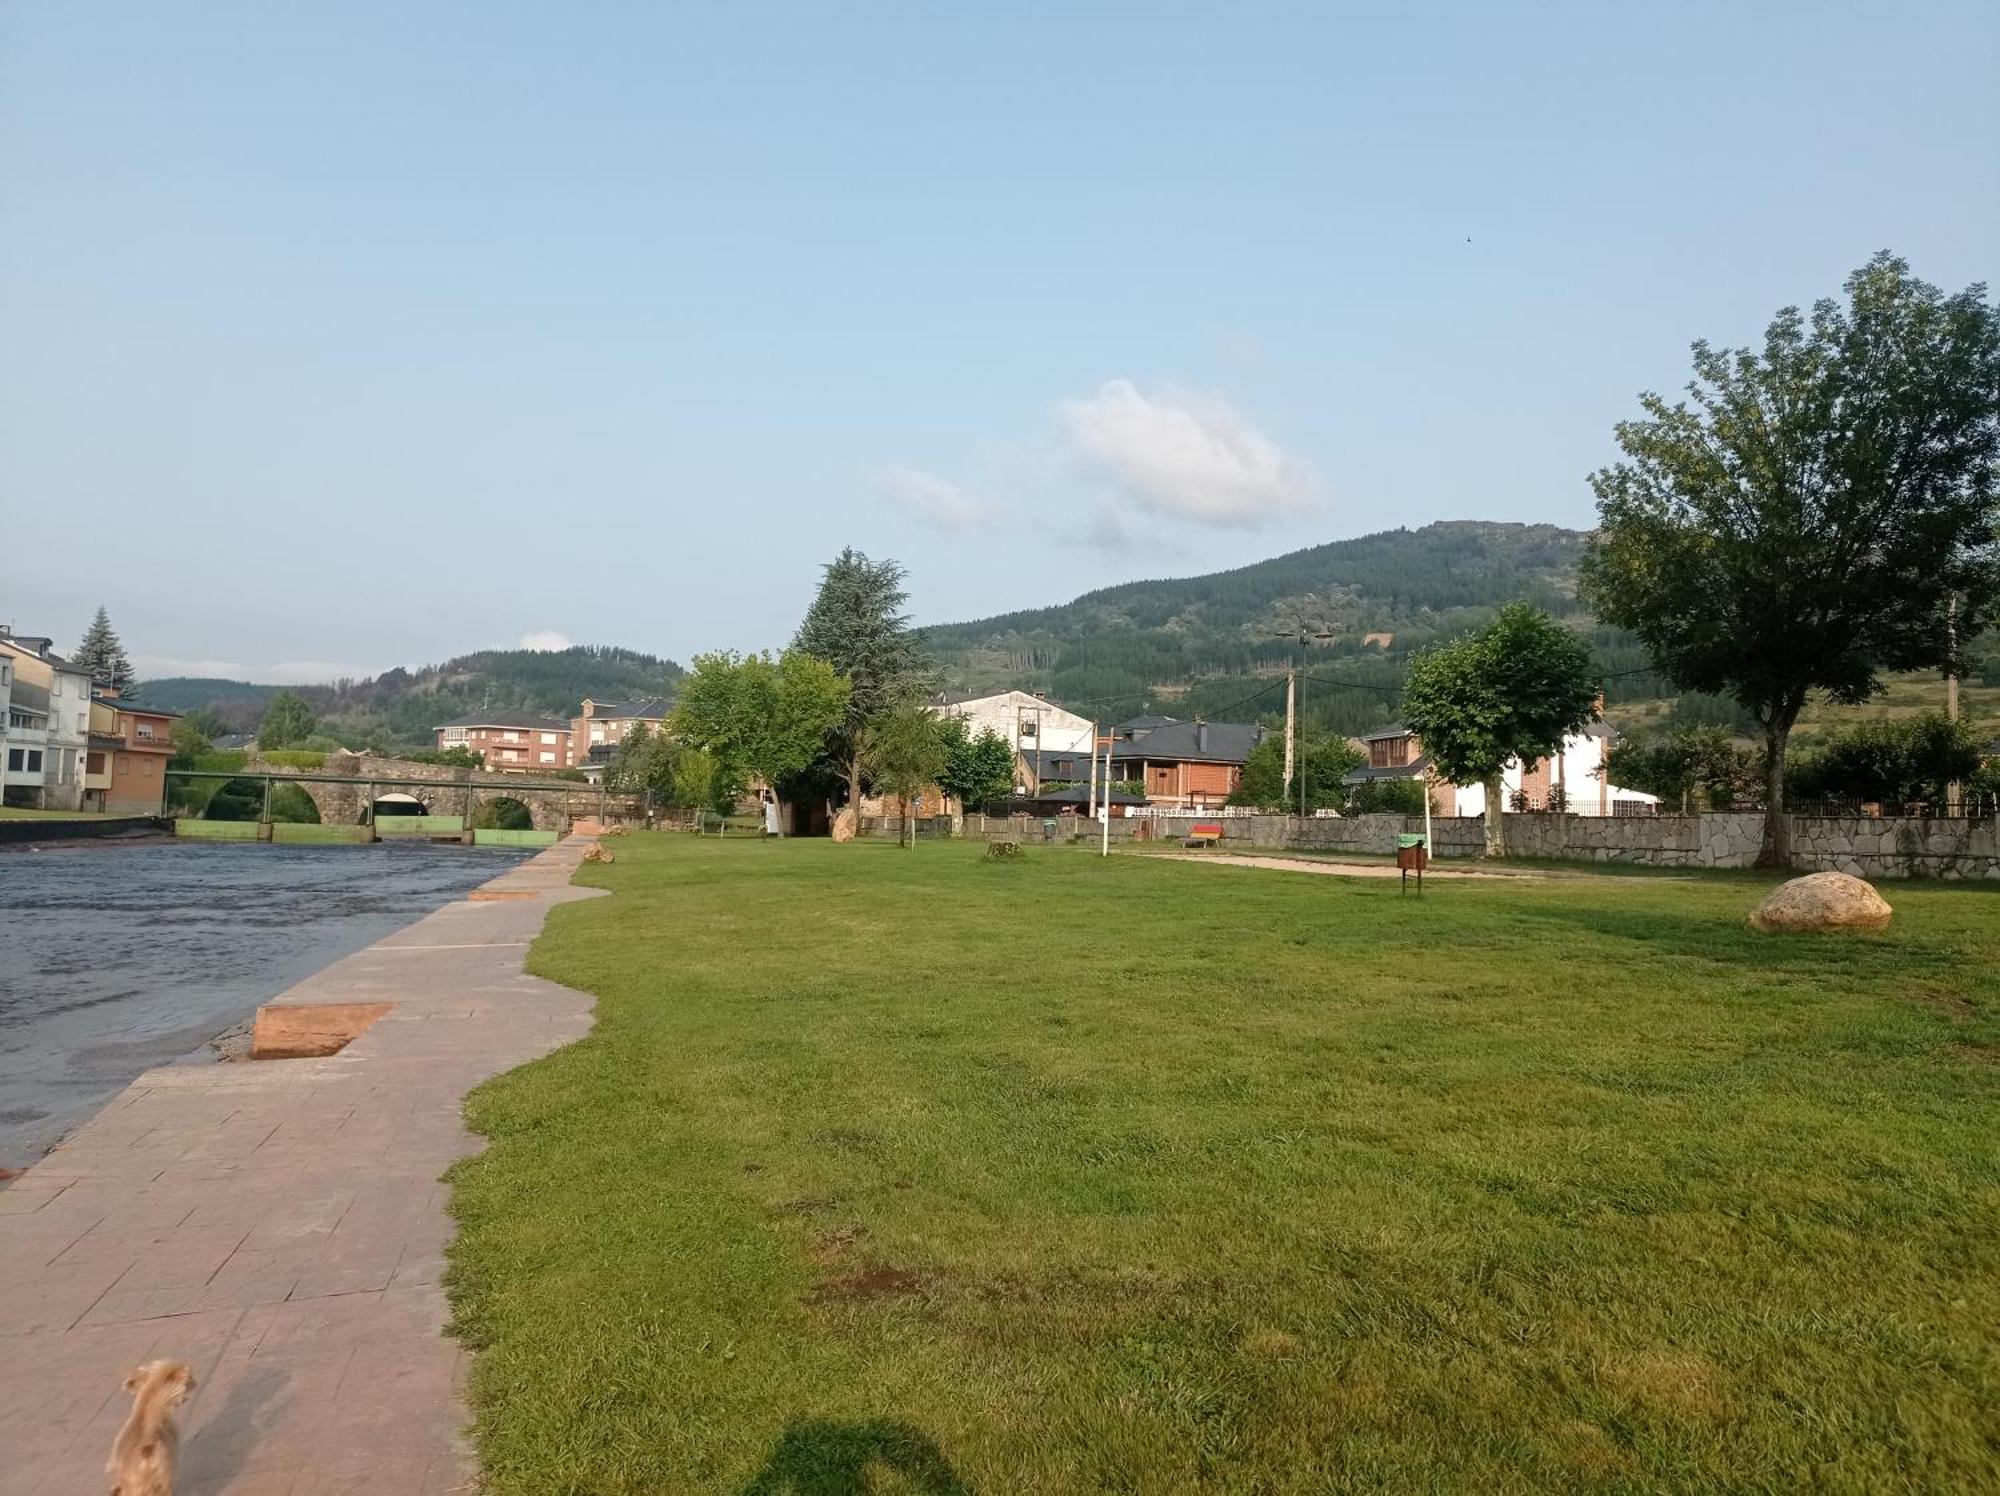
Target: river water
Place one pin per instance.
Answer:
(117, 958)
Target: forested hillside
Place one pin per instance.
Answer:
(1205, 644)
(398, 708)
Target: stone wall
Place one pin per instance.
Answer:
(1868, 847)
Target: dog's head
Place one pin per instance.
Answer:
(176, 1378)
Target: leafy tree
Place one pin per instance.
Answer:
(904, 750)
(1325, 762)
(1512, 691)
(288, 722)
(858, 626)
(1676, 764)
(104, 656)
(1889, 761)
(190, 742)
(758, 715)
(1808, 520)
(977, 769)
(1396, 797)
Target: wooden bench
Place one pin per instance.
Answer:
(1203, 834)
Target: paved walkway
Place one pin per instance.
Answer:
(1335, 869)
(280, 1225)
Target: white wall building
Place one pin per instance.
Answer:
(1578, 772)
(1025, 723)
(48, 725)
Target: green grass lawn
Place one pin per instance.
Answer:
(907, 1171)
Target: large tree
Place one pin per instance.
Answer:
(759, 716)
(104, 657)
(1515, 690)
(858, 626)
(288, 720)
(978, 768)
(905, 750)
(1814, 514)
(1326, 763)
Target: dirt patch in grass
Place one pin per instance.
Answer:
(870, 1285)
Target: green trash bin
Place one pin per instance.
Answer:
(1406, 840)
(1049, 830)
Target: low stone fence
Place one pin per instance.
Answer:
(1868, 847)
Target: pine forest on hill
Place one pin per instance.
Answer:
(1218, 645)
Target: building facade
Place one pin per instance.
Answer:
(46, 725)
(596, 734)
(512, 742)
(125, 763)
(1036, 730)
(1183, 765)
(1575, 779)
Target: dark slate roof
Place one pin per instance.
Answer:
(647, 708)
(1383, 734)
(38, 645)
(1371, 774)
(1185, 742)
(1148, 723)
(127, 704)
(229, 742)
(530, 720)
(1053, 763)
(1079, 794)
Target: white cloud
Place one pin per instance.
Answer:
(1188, 456)
(545, 639)
(936, 501)
(283, 673)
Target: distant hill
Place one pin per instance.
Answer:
(398, 708)
(1203, 644)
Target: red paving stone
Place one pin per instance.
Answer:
(280, 1225)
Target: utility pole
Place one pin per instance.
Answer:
(1294, 687)
(1291, 725)
(1104, 849)
(1954, 793)
(1093, 773)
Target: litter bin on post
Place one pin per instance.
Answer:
(1049, 830)
(1413, 855)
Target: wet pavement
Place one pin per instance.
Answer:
(116, 958)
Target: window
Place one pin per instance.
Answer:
(144, 730)
(83, 720)
(14, 760)
(548, 758)
(453, 734)
(511, 736)
(548, 737)
(121, 765)
(1389, 753)
(93, 762)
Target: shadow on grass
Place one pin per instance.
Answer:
(824, 1457)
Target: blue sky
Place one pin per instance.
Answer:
(334, 337)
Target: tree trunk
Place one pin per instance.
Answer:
(1777, 849)
(909, 837)
(854, 792)
(1496, 834)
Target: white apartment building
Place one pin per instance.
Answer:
(46, 727)
(1026, 723)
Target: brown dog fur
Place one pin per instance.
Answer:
(142, 1457)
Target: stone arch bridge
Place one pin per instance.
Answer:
(345, 788)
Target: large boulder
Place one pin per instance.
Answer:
(844, 824)
(1822, 901)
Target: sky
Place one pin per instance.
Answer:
(337, 337)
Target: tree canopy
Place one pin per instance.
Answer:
(760, 716)
(1891, 761)
(1325, 763)
(1514, 690)
(103, 656)
(288, 721)
(905, 750)
(978, 768)
(857, 625)
(1815, 513)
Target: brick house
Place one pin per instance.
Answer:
(595, 736)
(125, 757)
(1183, 765)
(512, 742)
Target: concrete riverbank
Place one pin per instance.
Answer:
(280, 1225)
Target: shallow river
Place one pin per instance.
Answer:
(116, 958)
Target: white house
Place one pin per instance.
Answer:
(1578, 772)
(1026, 723)
(48, 724)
